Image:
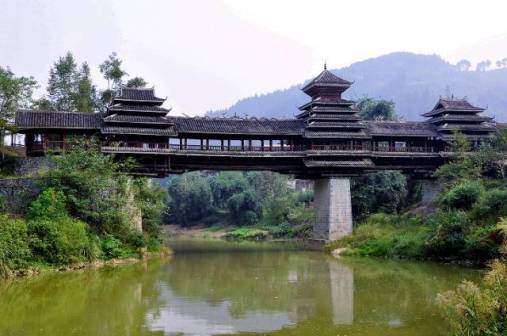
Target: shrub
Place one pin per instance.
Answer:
(447, 239)
(14, 249)
(491, 205)
(59, 241)
(463, 196)
(477, 310)
(114, 248)
(246, 234)
(50, 204)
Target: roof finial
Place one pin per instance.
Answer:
(325, 65)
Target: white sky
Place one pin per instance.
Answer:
(206, 54)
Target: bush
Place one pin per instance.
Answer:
(50, 204)
(114, 248)
(246, 234)
(476, 310)
(463, 196)
(447, 239)
(14, 248)
(491, 205)
(59, 241)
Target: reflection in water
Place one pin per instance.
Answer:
(256, 291)
(341, 281)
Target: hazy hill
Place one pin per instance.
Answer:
(413, 82)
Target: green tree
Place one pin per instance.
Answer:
(63, 83)
(86, 97)
(376, 109)
(15, 93)
(378, 192)
(462, 166)
(136, 82)
(190, 198)
(70, 87)
(113, 73)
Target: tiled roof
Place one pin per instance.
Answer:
(335, 135)
(336, 123)
(139, 131)
(327, 78)
(137, 119)
(138, 108)
(238, 126)
(138, 95)
(394, 128)
(457, 103)
(452, 104)
(29, 119)
(327, 102)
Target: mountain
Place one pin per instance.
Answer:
(414, 82)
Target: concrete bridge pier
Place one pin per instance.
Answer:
(333, 208)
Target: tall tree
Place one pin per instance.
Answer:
(63, 83)
(15, 92)
(483, 66)
(136, 82)
(113, 73)
(86, 92)
(464, 65)
(501, 63)
(376, 109)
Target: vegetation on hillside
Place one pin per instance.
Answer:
(466, 223)
(82, 215)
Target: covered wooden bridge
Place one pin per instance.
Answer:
(328, 141)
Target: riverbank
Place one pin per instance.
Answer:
(238, 233)
(39, 269)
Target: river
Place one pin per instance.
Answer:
(238, 290)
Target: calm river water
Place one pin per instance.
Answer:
(217, 290)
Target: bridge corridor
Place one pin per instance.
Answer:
(328, 141)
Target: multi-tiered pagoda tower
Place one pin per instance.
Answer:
(453, 114)
(332, 123)
(328, 115)
(136, 123)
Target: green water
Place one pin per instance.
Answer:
(245, 290)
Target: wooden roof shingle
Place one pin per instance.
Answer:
(238, 126)
(32, 119)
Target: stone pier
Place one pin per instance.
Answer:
(430, 189)
(333, 208)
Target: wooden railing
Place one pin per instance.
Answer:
(340, 147)
(405, 149)
(59, 146)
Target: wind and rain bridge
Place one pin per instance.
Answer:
(327, 141)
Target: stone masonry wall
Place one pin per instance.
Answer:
(18, 193)
(333, 208)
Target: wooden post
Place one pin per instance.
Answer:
(221, 144)
(228, 144)
(202, 144)
(181, 143)
(186, 143)
(207, 144)
(281, 145)
(270, 145)
(242, 144)
(249, 144)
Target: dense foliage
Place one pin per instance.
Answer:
(84, 212)
(234, 198)
(476, 310)
(467, 220)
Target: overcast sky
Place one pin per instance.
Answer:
(207, 54)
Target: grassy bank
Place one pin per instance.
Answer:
(468, 225)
